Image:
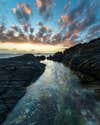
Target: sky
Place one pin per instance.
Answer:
(7, 5)
(71, 21)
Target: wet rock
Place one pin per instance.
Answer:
(40, 58)
(83, 58)
(15, 75)
(56, 57)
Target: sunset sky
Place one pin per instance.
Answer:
(75, 20)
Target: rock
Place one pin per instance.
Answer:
(16, 74)
(40, 58)
(83, 58)
(56, 57)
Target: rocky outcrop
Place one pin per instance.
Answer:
(83, 58)
(40, 58)
(56, 57)
(15, 75)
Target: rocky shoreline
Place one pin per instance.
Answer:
(15, 75)
(84, 59)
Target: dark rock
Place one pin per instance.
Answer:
(83, 58)
(40, 58)
(15, 75)
(56, 57)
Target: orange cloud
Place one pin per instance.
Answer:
(28, 9)
(44, 7)
(39, 3)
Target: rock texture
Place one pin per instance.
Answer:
(83, 58)
(15, 75)
(40, 58)
(56, 57)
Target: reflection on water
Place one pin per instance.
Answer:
(8, 55)
(56, 99)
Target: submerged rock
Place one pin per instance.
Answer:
(15, 75)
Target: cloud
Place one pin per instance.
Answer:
(44, 30)
(93, 32)
(74, 22)
(67, 5)
(44, 7)
(78, 20)
(22, 12)
(57, 38)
